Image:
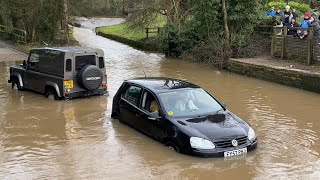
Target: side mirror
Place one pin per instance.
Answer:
(24, 63)
(224, 105)
(154, 116)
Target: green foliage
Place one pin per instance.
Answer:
(41, 19)
(205, 25)
(301, 7)
(122, 31)
(175, 42)
(90, 8)
(125, 29)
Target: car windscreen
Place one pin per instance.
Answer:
(82, 61)
(189, 102)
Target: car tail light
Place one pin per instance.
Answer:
(104, 86)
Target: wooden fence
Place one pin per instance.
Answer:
(284, 46)
(152, 31)
(19, 34)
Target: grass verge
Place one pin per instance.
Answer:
(138, 34)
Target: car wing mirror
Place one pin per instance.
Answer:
(24, 63)
(224, 105)
(154, 116)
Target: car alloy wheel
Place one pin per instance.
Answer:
(173, 147)
(51, 96)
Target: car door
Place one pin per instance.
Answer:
(154, 128)
(31, 74)
(129, 105)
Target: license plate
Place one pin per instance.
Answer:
(68, 84)
(235, 152)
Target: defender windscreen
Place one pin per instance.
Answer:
(82, 61)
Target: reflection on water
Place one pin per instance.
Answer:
(78, 140)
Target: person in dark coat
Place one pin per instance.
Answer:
(315, 24)
(293, 24)
(286, 16)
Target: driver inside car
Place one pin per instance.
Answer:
(154, 106)
(185, 103)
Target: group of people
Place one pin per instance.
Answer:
(289, 19)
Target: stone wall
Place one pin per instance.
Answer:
(299, 79)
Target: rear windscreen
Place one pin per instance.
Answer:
(82, 61)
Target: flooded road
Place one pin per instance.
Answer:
(78, 140)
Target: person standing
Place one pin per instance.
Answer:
(315, 24)
(286, 16)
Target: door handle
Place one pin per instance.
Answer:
(138, 116)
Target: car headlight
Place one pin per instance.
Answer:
(200, 143)
(251, 134)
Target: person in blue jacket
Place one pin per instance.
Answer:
(305, 25)
(271, 13)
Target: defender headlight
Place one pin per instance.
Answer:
(200, 143)
(251, 134)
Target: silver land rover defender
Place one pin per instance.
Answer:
(62, 73)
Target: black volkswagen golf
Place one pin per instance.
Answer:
(182, 116)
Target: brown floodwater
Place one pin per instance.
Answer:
(77, 139)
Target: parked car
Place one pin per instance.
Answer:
(62, 73)
(182, 116)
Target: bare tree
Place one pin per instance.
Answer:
(227, 49)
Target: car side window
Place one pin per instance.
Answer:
(33, 62)
(68, 65)
(101, 62)
(133, 95)
(149, 102)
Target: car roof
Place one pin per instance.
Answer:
(162, 84)
(68, 49)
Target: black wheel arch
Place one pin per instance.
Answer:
(53, 86)
(17, 77)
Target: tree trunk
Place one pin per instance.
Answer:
(66, 19)
(225, 21)
(226, 33)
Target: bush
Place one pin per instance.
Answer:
(301, 7)
(209, 52)
(175, 42)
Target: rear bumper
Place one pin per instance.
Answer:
(82, 94)
(220, 152)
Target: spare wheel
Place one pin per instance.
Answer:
(90, 77)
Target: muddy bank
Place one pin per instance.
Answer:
(10, 53)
